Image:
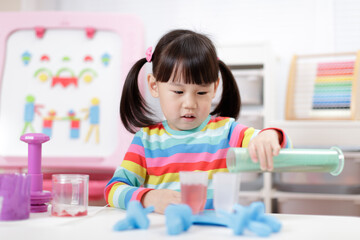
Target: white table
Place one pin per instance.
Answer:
(99, 222)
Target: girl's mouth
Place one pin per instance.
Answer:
(188, 117)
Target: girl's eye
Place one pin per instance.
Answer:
(202, 93)
(178, 92)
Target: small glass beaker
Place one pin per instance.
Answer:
(70, 194)
(194, 190)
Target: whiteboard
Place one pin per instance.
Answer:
(66, 52)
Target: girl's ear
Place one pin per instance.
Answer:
(153, 87)
(216, 85)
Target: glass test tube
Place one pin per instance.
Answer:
(290, 160)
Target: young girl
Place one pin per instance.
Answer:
(192, 138)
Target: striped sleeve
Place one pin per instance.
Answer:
(125, 185)
(286, 141)
(236, 133)
(240, 136)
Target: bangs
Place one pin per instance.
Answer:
(190, 60)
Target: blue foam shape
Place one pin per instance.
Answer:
(258, 214)
(260, 229)
(258, 222)
(210, 217)
(136, 217)
(178, 218)
(272, 222)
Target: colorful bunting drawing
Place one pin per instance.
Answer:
(87, 75)
(26, 57)
(105, 59)
(66, 59)
(66, 80)
(65, 76)
(88, 58)
(43, 74)
(44, 58)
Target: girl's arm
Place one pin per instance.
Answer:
(160, 199)
(126, 183)
(262, 145)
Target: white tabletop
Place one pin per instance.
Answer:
(99, 222)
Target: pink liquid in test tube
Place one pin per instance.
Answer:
(194, 189)
(194, 195)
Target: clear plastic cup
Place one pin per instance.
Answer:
(70, 194)
(226, 190)
(194, 190)
(14, 196)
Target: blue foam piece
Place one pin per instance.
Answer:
(259, 215)
(272, 222)
(259, 228)
(179, 218)
(136, 217)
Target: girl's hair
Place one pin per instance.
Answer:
(186, 55)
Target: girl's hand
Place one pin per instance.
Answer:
(263, 147)
(160, 199)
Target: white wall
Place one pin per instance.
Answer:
(291, 27)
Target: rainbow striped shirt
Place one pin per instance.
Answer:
(157, 154)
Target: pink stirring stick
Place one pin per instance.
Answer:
(39, 198)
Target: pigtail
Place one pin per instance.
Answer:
(230, 103)
(134, 112)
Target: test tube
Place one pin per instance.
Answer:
(194, 190)
(226, 190)
(290, 160)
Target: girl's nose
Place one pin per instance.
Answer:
(190, 102)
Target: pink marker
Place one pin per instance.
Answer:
(39, 198)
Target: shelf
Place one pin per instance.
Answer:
(315, 196)
(251, 194)
(315, 134)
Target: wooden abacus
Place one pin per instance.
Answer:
(324, 87)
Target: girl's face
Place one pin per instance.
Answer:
(185, 106)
